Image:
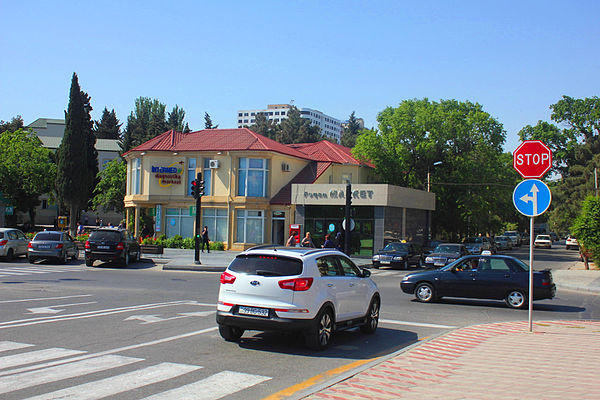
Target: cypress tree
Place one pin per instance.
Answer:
(108, 127)
(77, 158)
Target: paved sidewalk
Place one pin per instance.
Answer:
(559, 360)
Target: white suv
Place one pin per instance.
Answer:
(315, 291)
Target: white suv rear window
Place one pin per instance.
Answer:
(266, 265)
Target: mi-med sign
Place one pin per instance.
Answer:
(532, 159)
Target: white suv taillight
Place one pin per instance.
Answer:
(227, 278)
(297, 285)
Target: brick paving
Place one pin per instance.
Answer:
(558, 360)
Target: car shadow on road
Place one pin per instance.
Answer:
(351, 344)
(500, 304)
(144, 263)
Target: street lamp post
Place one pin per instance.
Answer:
(429, 175)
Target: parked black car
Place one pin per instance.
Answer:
(52, 244)
(444, 254)
(111, 244)
(476, 245)
(398, 255)
(481, 277)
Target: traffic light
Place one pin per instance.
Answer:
(200, 184)
(195, 193)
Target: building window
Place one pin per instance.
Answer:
(250, 226)
(252, 114)
(252, 121)
(239, 121)
(245, 121)
(276, 112)
(252, 177)
(44, 204)
(216, 221)
(179, 222)
(136, 175)
(207, 177)
(245, 114)
(191, 174)
(283, 113)
(239, 114)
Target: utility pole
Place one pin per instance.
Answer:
(347, 218)
(197, 193)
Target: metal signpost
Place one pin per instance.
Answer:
(532, 197)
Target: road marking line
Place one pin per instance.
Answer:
(316, 379)
(7, 346)
(214, 387)
(96, 313)
(52, 310)
(17, 360)
(113, 351)
(44, 298)
(70, 370)
(423, 324)
(120, 383)
(4, 272)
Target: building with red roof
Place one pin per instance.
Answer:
(251, 184)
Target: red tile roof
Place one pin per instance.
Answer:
(327, 151)
(240, 139)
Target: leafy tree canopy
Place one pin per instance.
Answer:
(110, 191)
(350, 132)
(264, 126)
(108, 127)
(295, 129)
(176, 120)
(475, 179)
(147, 121)
(27, 169)
(12, 125)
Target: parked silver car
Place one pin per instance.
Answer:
(53, 244)
(13, 243)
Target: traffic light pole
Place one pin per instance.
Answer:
(198, 197)
(348, 216)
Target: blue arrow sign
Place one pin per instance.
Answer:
(532, 197)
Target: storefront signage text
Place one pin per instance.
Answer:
(169, 175)
(339, 194)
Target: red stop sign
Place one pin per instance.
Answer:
(532, 159)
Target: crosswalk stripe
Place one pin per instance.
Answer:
(34, 270)
(52, 374)
(120, 383)
(7, 345)
(214, 387)
(16, 360)
(13, 273)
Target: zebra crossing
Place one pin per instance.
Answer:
(28, 368)
(34, 269)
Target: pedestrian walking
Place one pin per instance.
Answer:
(307, 241)
(291, 242)
(328, 242)
(205, 239)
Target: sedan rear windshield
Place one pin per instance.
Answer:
(106, 236)
(444, 248)
(473, 240)
(47, 236)
(266, 265)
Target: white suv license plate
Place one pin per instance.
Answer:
(259, 312)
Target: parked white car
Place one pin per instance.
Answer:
(13, 243)
(315, 291)
(543, 241)
(572, 243)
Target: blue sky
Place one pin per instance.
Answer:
(514, 57)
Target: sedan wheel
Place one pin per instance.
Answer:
(516, 299)
(372, 318)
(63, 258)
(230, 333)
(425, 293)
(319, 337)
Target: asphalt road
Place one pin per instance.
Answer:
(103, 331)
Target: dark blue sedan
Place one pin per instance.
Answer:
(481, 277)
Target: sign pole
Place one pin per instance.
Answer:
(531, 274)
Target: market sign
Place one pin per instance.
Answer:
(169, 175)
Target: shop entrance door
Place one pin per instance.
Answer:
(278, 231)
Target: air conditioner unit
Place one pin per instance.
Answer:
(285, 167)
(213, 164)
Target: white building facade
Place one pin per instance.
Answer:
(330, 127)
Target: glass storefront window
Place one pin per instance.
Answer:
(207, 177)
(179, 222)
(250, 226)
(191, 175)
(216, 221)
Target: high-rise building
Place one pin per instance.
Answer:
(330, 127)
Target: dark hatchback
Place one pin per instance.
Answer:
(481, 277)
(444, 254)
(111, 244)
(398, 255)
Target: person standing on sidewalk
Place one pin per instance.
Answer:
(307, 241)
(205, 239)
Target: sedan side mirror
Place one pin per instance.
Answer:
(366, 273)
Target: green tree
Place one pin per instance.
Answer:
(12, 125)
(175, 120)
(295, 129)
(208, 124)
(587, 227)
(582, 116)
(264, 126)
(147, 121)
(27, 170)
(110, 191)
(108, 127)
(473, 183)
(77, 158)
(350, 132)
(561, 143)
